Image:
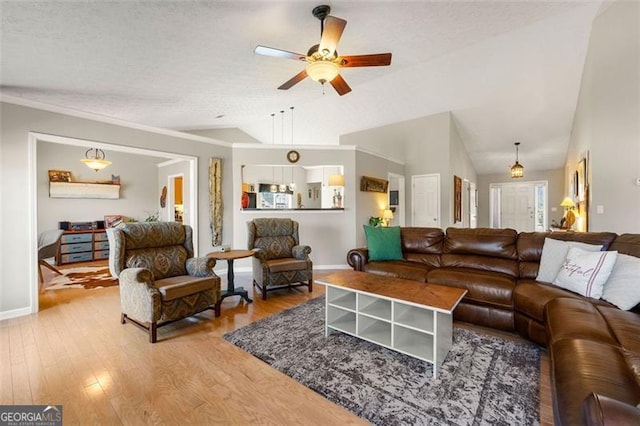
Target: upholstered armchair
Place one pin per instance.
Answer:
(160, 280)
(279, 260)
(48, 246)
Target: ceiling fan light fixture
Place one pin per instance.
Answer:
(322, 71)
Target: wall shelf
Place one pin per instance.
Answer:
(84, 190)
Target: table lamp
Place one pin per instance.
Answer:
(387, 215)
(569, 215)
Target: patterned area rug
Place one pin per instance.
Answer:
(483, 380)
(83, 277)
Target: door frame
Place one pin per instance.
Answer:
(32, 185)
(533, 183)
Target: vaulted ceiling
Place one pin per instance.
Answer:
(507, 70)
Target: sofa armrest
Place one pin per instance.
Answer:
(201, 266)
(357, 258)
(139, 298)
(260, 254)
(301, 252)
(600, 410)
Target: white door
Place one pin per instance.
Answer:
(518, 207)
(425, 200)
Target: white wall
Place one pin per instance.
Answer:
(555, 179)
(462, 167)
(17, 236)
(329, 233)
(137, 189)
(607, 119)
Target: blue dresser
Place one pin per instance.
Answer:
(83, 246)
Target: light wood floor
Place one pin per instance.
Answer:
(76, 353)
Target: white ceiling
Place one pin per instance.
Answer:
(507, 70)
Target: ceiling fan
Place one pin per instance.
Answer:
(323, 61)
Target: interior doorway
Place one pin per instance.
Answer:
(521, 206)
(397, 199)
(34, 138)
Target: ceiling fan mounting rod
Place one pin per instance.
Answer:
(321, 12)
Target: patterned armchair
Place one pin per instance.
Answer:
(160, 280)
(279, 260)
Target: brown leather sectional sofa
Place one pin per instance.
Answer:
(594, 346)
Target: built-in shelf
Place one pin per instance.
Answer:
(84, 190)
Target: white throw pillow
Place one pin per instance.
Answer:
(585, 272)
(554, 252)
(623, 286)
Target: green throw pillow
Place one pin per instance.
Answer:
(383, 243)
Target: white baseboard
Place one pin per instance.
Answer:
(14, 313)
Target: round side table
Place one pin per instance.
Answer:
(230, 256)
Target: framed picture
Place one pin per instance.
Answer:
(113, 220)
(457, 199)
(59, 176)
(581, 179)
(393, 198)
(370, 184)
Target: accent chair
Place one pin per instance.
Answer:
(160, 280)
(48, 245)
(279, 260)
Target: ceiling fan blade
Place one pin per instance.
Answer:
(293, 81)
(340, 85)
(278, 53)
(331, 34)
(374, 60)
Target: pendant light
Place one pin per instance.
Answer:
(95, 161)
(517, 170)
(292, 185)
(273, 187)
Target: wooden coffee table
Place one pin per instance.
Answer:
(406, 316)
(230, 256)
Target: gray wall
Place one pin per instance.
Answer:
(425, 145)
(607, 120)
(233, 135)
(137, 189)
(555, 179)
(371, 203)
(16, 245)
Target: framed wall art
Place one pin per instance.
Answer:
(370, 184)
(457, 199)
(59, 176)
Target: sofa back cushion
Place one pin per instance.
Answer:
(627, 244)
(422, 245)
(481, 248)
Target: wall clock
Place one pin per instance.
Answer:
(293, 156)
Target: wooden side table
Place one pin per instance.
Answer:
(230, 256)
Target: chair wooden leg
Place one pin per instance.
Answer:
(153, 332)
(264, 292)
(217, 308)
(50, 266)
(310, 285)
(123, 318)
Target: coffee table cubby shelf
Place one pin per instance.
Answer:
(420, 331)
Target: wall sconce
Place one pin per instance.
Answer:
(387, 215)
(97, 162)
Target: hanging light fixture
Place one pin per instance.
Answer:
(517, 170)
(273, 187)
(96, 161)
(292, 185)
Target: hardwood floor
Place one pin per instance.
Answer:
(76, 353)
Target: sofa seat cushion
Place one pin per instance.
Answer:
(581, 366)
(401, 269)
(574, 318)
(482, 287)
(531, 296)
(286, 264)
(625, 326)
(176, 287)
